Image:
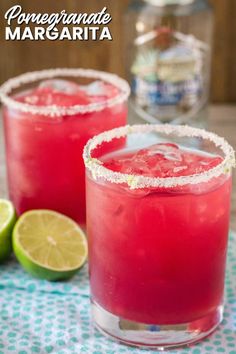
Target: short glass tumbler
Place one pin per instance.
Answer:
(48, 117)
(157, 246)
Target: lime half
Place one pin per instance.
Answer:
(49, 245)
(7, 221)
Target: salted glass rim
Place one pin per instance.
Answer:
(54, 110)
(134, 181)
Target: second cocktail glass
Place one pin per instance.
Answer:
(47, 122)
(157, 222)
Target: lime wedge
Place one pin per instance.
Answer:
(7, 221)
(49, 245)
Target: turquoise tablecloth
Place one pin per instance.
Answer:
(41, 317)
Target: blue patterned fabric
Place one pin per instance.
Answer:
(41, 317)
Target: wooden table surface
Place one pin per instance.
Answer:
(222, 120)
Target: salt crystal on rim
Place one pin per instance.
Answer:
(52, 111)
(135, 181)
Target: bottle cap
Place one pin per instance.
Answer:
(169, 2)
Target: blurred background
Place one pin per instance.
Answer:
(20, 56)
(17, 57)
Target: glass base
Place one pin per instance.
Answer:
(156, 336)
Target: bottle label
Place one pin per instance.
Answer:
(166, 93)
(169, 73)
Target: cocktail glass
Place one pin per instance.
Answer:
(157, 245)
(47, 124)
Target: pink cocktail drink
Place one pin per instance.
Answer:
(46, 127)
(158, 218)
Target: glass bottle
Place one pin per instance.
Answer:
(168, 58)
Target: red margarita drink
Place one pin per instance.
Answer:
(48, 118)
(157, 217)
